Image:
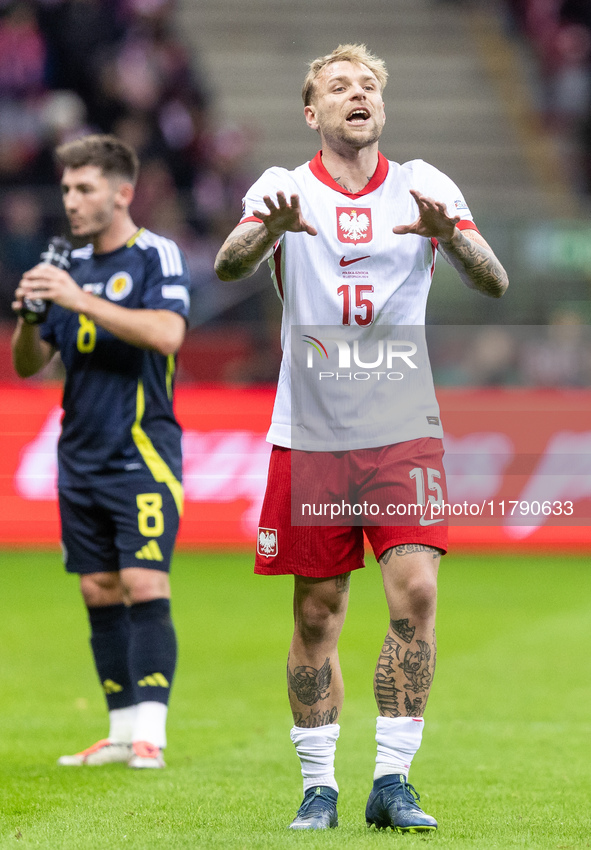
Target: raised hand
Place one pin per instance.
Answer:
(281, 216)
(433, 220)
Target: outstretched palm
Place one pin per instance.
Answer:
(433, 220)
(282, 216)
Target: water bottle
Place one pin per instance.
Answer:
(35, 310)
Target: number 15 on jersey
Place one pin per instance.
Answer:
(355, 298)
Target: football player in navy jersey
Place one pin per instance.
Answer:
(117, 318)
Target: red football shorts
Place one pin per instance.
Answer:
(353, 493)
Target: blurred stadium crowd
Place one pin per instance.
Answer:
(559, 35)
(73, 66)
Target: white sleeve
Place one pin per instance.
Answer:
(269, 183)
(435, 184)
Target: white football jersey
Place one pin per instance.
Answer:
(355, 277)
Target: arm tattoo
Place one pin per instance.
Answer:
(316, 718)
(241, 255)
(403, 630)
(385, 690)
(477, 265)
(310, 685)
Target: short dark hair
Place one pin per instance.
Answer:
(114, 157)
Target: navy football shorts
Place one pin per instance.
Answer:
(129, 521)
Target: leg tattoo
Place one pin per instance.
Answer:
(385, 690)
(417, 666)
(310, 685)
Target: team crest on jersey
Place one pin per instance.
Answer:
(267, 542)
(118, 286)
(354, 224)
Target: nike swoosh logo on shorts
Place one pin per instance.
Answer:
(343, 262)
(423, 521)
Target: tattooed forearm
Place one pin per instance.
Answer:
(242, 253)
(342, 582)
(316, 718)
(310, 685)
(477, 266)
(384, 685)
(403, 630)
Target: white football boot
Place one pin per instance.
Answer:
(103, 752)
(146, 755)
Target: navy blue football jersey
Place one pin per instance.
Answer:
(118, 413)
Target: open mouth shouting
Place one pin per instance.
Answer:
(358, 116)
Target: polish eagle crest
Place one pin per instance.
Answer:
(353, 226)
(267, 541)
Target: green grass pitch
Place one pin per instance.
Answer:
(506, 755)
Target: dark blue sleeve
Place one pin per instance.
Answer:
(47, 329)
(167, 283)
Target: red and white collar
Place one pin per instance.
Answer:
(319, 171)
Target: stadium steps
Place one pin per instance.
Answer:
(454, 97)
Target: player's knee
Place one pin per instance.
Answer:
(317, 622)
(141, 585)
(99, 589)
(421, 597)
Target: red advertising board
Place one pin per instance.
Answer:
(518, 464)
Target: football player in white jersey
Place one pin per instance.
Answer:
(351, 240)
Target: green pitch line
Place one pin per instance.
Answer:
(505, 755)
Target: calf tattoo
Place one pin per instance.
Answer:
(385, 690)
(413, 708)
(316, 718)
(416, 668)
(310, 685)
(403, 630)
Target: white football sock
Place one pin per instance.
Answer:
(398, 739)
(121, 724)
(316, 749)
(150, 723)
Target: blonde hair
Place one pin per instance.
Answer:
(357, 53)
